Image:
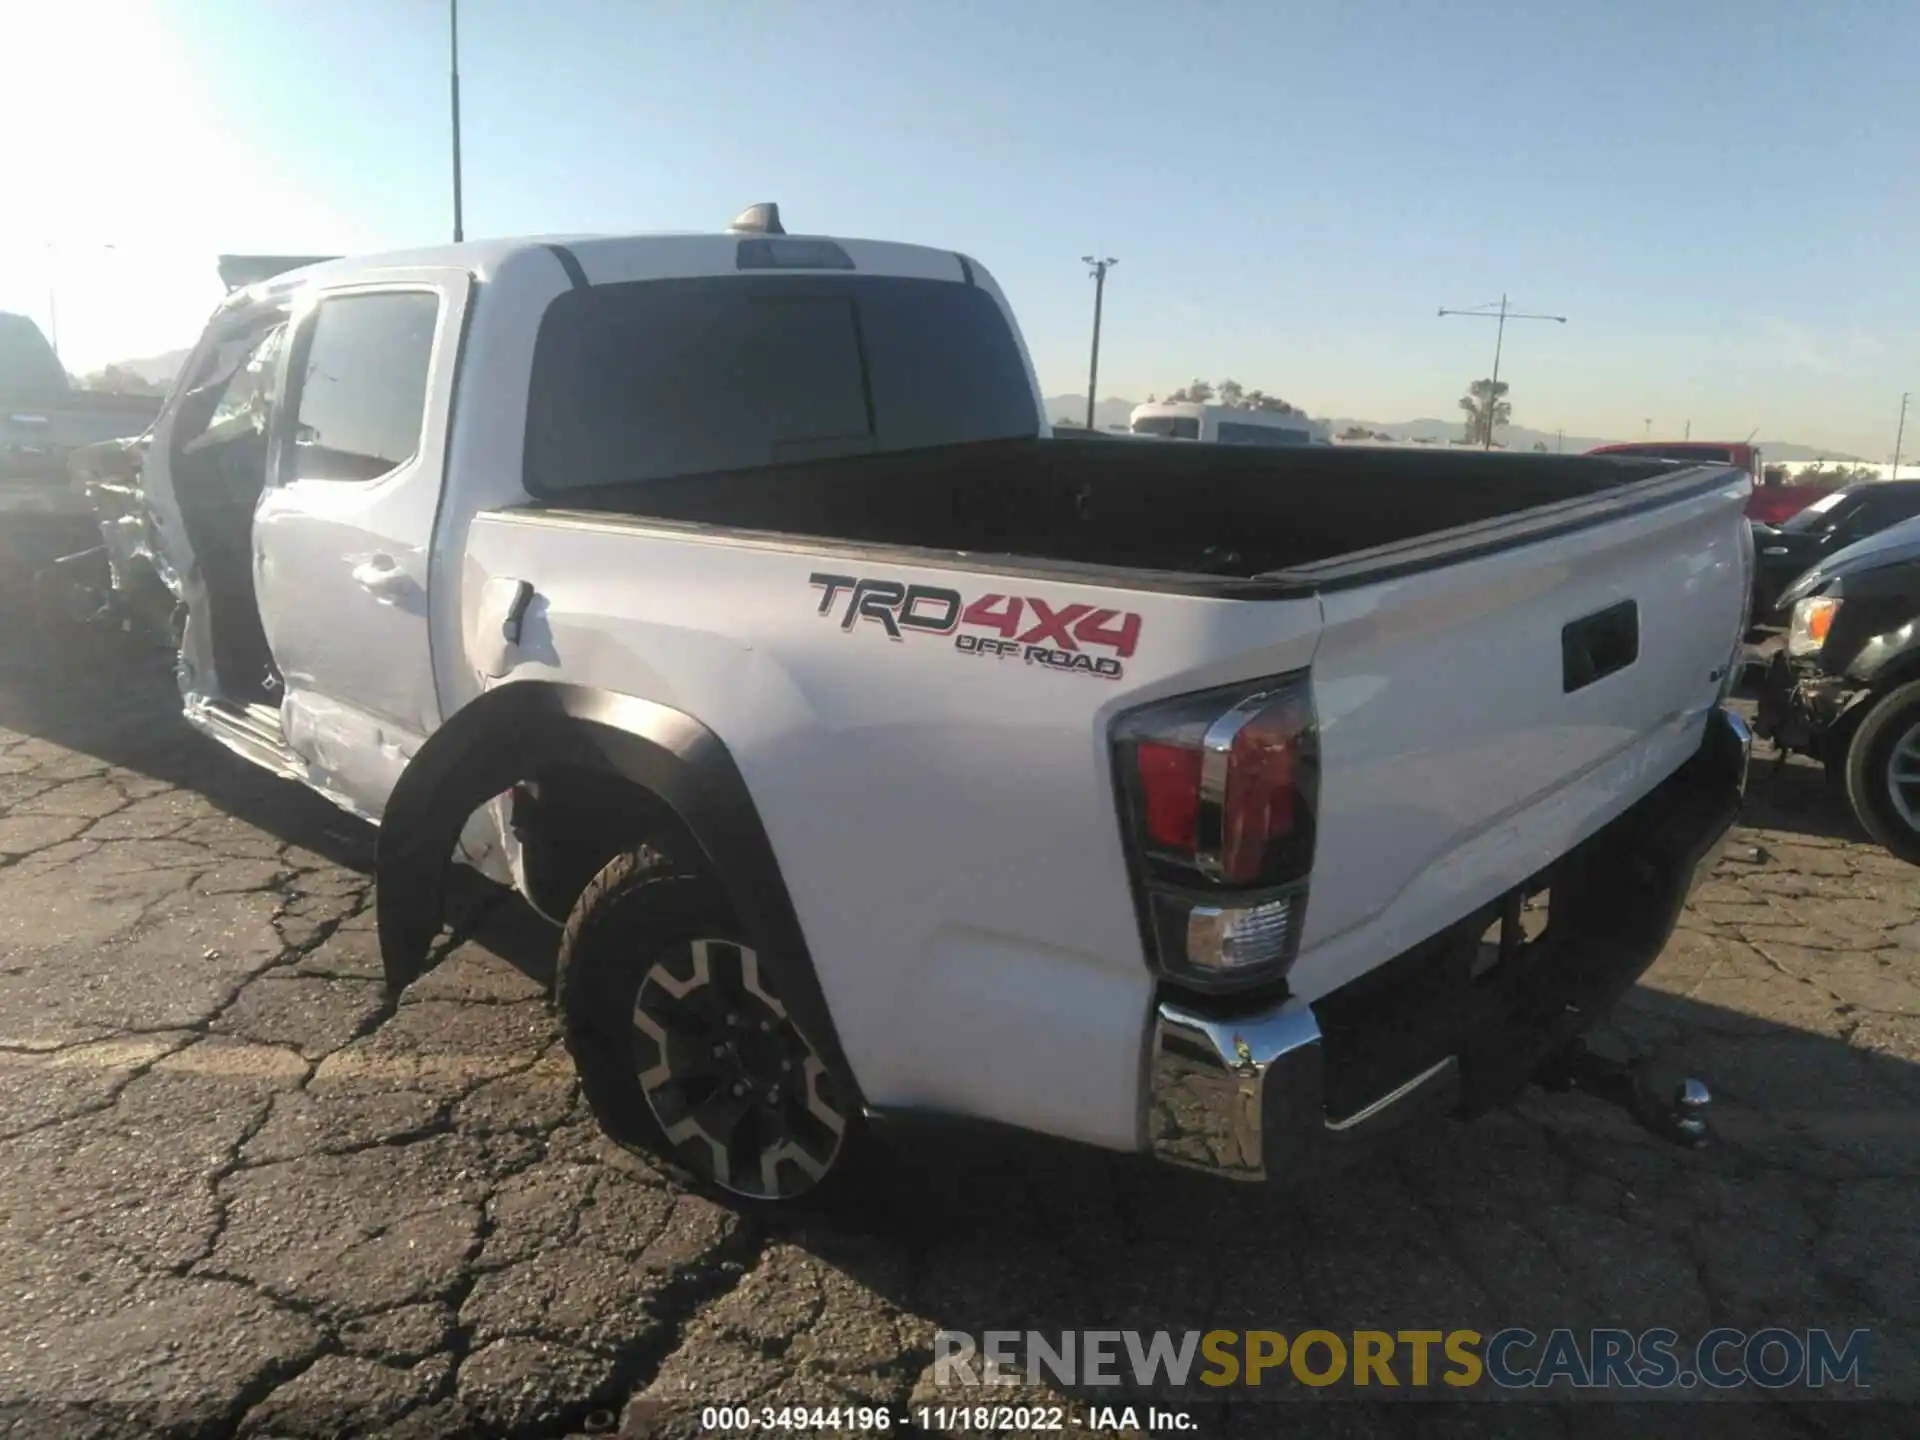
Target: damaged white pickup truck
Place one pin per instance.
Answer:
(878, 752)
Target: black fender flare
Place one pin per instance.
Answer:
(507, 736)
(1885, 662)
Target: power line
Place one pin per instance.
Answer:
(1499, 311)
(1098, 269)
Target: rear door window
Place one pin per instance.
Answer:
(1901, 504)
(653, 379)
(1823, 514)
(248, 396)
(360, 384)
(1875, 511)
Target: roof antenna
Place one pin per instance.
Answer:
(761, 219)
(1750, 434)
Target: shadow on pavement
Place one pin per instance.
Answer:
(118, 703)
(1797, 798)
(1803, 1213)
(1793, 795)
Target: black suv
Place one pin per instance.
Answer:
(1784, 552)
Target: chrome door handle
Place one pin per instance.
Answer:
(381, 577)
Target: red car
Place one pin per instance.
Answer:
(1772, 500)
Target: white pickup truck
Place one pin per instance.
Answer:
(882, 754)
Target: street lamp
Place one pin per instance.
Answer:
(1899, 434)
(1502, 314)
(453, 9)
(1098, 269)
(53, 299)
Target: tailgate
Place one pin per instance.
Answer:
(1479, 719)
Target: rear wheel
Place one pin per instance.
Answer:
(683, 1042)
(1883, 772)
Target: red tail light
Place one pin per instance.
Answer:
(1169, 793)
(1219, 790)
(1262, 790)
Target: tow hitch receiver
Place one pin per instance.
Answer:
(1676, 1112)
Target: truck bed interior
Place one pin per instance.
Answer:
(1224, 510)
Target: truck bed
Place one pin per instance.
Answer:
(913, 783)
(1221, 510)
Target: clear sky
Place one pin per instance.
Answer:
(1723, 197)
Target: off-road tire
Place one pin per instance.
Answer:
(1888, 736)
(685, 1048)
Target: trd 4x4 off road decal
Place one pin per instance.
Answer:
(999, 627)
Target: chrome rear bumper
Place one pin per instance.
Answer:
(1244, 1095)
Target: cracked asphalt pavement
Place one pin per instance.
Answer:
(242, 1193)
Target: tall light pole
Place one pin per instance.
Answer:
(1098, 269)
(53, 305)
(1899, 434)
(1689, 434)
(459, 230)
(1498, 311)
(53, 299)
(1646, 429)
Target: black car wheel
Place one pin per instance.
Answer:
(1883, 772)
(683, 1043)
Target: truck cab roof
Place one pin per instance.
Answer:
(666, 255)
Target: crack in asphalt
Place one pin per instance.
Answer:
(443, 1210)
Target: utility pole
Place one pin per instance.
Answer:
(53, 298)
(1559, 441)
(459, 230)
(1498, 311)
(1898, 435)
(1646, 429)
(1689, 434)
(1098, 269)
(53, 305)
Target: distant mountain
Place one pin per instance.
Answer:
(1107, 413)
(1113, 411)
(158, 369)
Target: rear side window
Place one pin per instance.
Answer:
(1235, 433)
(652, 379)
(361, 385)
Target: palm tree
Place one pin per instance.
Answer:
(1486, 410)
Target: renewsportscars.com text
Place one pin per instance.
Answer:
(1513, 1358)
